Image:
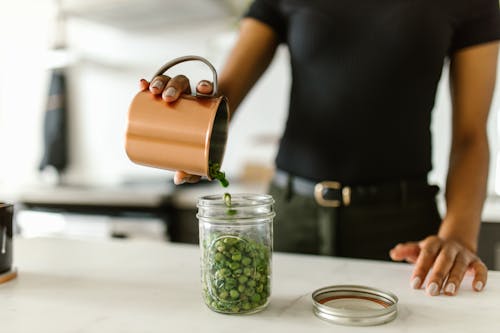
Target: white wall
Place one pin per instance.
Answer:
(24, 36)
(106, 78)
(103, 79)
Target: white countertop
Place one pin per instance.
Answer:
(144, 286)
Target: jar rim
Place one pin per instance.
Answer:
(241, 199)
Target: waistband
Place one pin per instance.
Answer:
(331, 193)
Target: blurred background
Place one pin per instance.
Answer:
(68, 71)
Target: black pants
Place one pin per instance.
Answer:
(358, 231)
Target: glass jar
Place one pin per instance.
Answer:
(236, 249)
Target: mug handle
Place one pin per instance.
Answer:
(176, 61)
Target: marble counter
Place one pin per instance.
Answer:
(140, 286)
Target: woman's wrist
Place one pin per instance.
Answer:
(464, 232)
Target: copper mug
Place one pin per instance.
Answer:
(186, 135)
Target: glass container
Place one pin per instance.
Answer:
(236, 251)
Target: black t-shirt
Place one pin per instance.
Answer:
(364, 80)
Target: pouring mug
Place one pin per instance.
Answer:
(187, 134)
(6, 232)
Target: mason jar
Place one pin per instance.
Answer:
(236, 248)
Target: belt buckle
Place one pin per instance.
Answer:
(325, 185)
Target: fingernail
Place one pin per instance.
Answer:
(157, 84)
(479, 286)
(204, 84)
(450, 288)
(415, 283)
(169, 92)
(179, 181)
(432, 289)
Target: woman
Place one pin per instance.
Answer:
(352, 166)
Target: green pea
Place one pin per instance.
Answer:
(234, 265)
(242, 279)
(230, 240)
(236, 256)
(219, 257)
(220, 246)
(241, 246)
(223, 294)
(249, 291)
(247, 271)
(246, 261)
(230, 284)
(255, 298)
(225, 272)
(235, 294)
(227, 199)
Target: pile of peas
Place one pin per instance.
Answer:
(237, 278)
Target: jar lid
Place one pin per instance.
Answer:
(354, 305)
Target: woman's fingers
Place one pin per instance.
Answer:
(429, 249)
(175, 87)
(171, 88)
(480, 274)
(158, 84)
(456, 274)
(441, 268)
(445, 262)
(143, 85)
(182, 177)
(204, 87)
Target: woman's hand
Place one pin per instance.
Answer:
(170, 89)
(445, 262)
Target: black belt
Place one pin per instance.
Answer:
(334, 194)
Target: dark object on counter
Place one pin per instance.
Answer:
(55, 136)
(6, 232)
(7, 276)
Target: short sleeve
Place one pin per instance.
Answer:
(481, 25)
(269, 12)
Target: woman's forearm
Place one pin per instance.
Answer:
(472, 81)
(466, 191)
(249, 58)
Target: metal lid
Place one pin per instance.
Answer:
(354, 305)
